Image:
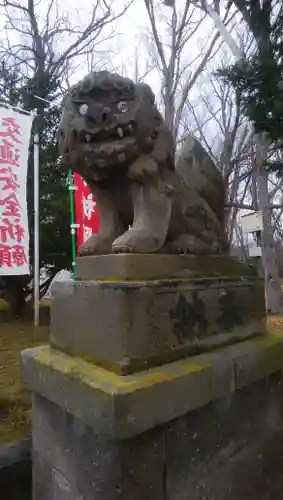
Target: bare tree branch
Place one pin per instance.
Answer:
(45, 45)
(168, 51)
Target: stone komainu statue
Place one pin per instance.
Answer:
(112, 134)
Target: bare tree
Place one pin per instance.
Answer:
(251, 12)
(44, 47)
(47, 42)
(216, 119)
(137, 66)
(169, 44)
(229, 138)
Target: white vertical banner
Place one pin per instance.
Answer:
(15, 132)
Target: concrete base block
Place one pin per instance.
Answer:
(74, 462)
(123, 406)
(153, 435)
(229, 450)
(130, 326)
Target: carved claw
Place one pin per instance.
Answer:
(123, 249)
(84, 251)
(189, 245)
(184, 251)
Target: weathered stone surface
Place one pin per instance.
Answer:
(130, 326)
(222, 451)
(256, 361)
(114, 405)
(122, 406)
(229, 450)
(72, 461)
(133, 267)
(113, 135)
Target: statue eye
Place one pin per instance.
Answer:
(83, 109)
(123, 106)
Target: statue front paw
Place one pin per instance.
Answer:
(96, 245)
(136, 241)
(190, 244)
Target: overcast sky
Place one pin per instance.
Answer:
(119, 52)
(130, 30)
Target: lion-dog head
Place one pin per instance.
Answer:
(106, 124)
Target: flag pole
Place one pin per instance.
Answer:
(36, 275)
(73, 226)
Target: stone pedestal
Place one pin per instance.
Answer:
(209, 426)
(122, 365)
(130, 325)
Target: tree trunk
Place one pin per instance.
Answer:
(271, 269)
(14, 294)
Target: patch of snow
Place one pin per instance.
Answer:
(63, 275)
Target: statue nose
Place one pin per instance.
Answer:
(99, 116)
(106, 115)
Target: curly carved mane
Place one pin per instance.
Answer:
(109, 121)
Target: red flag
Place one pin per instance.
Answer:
(15, 130)
(87, 216)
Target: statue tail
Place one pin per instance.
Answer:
(199, 172)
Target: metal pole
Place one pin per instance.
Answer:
(72, 222)
(36, 228)
(36, 278)
(10, 106)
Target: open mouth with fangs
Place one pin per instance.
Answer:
(103, 135)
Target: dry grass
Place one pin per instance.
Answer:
(14, 397)
(3, 305)
(275, 323)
